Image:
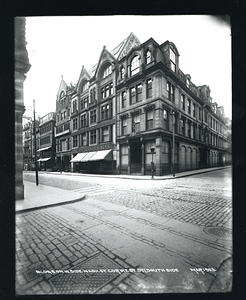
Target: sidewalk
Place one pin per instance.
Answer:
(142, 177)
(43, 196)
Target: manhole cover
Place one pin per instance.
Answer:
(108, 213)
(87, 277)
(220, 232)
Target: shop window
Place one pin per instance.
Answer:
(149, 119)
(135, 65)
(93, 137)
(149, 88)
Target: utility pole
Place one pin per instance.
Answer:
(35, 143)
(173, 143)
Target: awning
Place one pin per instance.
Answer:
(78, 157)
(44, 149)
(44, 159)
(93, 156)
(103, 154)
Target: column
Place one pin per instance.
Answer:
(143, 156)
(129, 159)
(158, 171)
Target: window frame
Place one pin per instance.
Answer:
(135, 65)
(149, 83)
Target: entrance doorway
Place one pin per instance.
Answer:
(136, 157)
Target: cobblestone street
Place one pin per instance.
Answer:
(126, 236)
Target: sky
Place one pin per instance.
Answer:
(60, 46)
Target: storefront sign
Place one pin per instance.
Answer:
(96, 147)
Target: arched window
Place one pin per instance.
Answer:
(147, 57)
(62, 95)
(85, 86)
(135, 64)
(107, 71)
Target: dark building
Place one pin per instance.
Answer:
(47, 143)
(63, 131)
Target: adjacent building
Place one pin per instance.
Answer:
(47, 143)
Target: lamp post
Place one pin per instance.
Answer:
(35, 143)
(173, 160)
(152, 149)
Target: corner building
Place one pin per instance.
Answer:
(126, 112)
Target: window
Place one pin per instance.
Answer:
(189, 129)
(93, 137)
(93, 116)
(134, 67)
(182, 126)
(84, 103)
(139, 92)
(57, 118)
(64, 114)
(194, 131)
(165, 118)
(206, 116)
(122, 72)
(107, 71)
(92, 95)
(105, 134)
(170, 91)
(136, 123)
(173, 60)
(83, 139)
(85, 86)
(188, 105)
(147, 57)
(200, 113)
(194, 110)
(75, 141)
(74, 105)
(83, 120)
(61, 116)
(123, 99)
(107, 90)
(149, 88)
(188, 82)
(149, 119)
(75, 124)
(133, 95)
(105, 111)
(124, 126)
(183, 102)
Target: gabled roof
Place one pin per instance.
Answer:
(121, 50)
(83, 73)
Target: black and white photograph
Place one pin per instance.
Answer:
(123, 154)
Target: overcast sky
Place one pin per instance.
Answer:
(62, 45)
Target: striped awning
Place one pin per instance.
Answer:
(44, 159)
(93, 156)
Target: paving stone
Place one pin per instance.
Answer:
(105, 290)
(50, 246)
(33, 258)
(45, 287)
(56, 253)
(51, 257)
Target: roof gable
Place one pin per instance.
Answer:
(84, 74)
(62, 87)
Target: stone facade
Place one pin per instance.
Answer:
(22, 66)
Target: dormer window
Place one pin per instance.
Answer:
(107, 71)
(85, 86)
(188, 82)
(173, 60)
(147, 57)
(135, 64)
